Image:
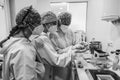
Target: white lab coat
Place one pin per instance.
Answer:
(61, 43)
(61, 40)
(19, 60)
(46, 50)
(49, 54)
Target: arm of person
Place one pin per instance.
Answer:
(54, 39)
(48, 53)
(23, 64)
(65, 50)
(58, 59)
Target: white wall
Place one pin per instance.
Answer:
(43, 6)
(95, 27)
(66, 0)
(78, 11)
(40, 5)
(3, 30)
(19, 4)
(111, 9)
(103, 31)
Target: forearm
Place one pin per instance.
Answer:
(61, 51)
(65, 58)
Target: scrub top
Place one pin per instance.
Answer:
(49, 55)
(61, 42)
(19, 62)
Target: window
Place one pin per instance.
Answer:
(78, 11)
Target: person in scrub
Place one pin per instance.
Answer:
(62, 40)
(19, 61)
(45, 48)
(64, 36)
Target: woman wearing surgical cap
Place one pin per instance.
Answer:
(64, 36)
(45, 48)
(62, 41)
(19, 61)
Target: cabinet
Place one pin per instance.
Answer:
(111, 10)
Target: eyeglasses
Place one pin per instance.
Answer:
(50, 24)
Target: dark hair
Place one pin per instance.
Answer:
(65, 18)
(58, 23)
(58, 26)
(27, 17)
(14, 30)
(48, 17)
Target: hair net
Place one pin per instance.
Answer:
(28, 16)
(65, 18)
(48, 17)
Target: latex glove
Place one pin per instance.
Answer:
(78, 46)
(73, 54)
(116, 66)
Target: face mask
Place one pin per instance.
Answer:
(53, 28)
(64, 28)
(38, 30)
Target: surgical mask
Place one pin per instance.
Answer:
(53, 28)
(38, 30)
(64, 28)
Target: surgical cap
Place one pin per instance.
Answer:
(65, 18)
(28, 15)
(48, 17)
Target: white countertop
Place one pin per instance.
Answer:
(82, 73)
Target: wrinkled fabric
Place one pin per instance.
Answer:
(46, 50)
(28, 15)
(48, 17)
(61, 43)
(19, 60)
(49, 55)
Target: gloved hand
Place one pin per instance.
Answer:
(81, 45)
(78, 46)
(116, 66)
